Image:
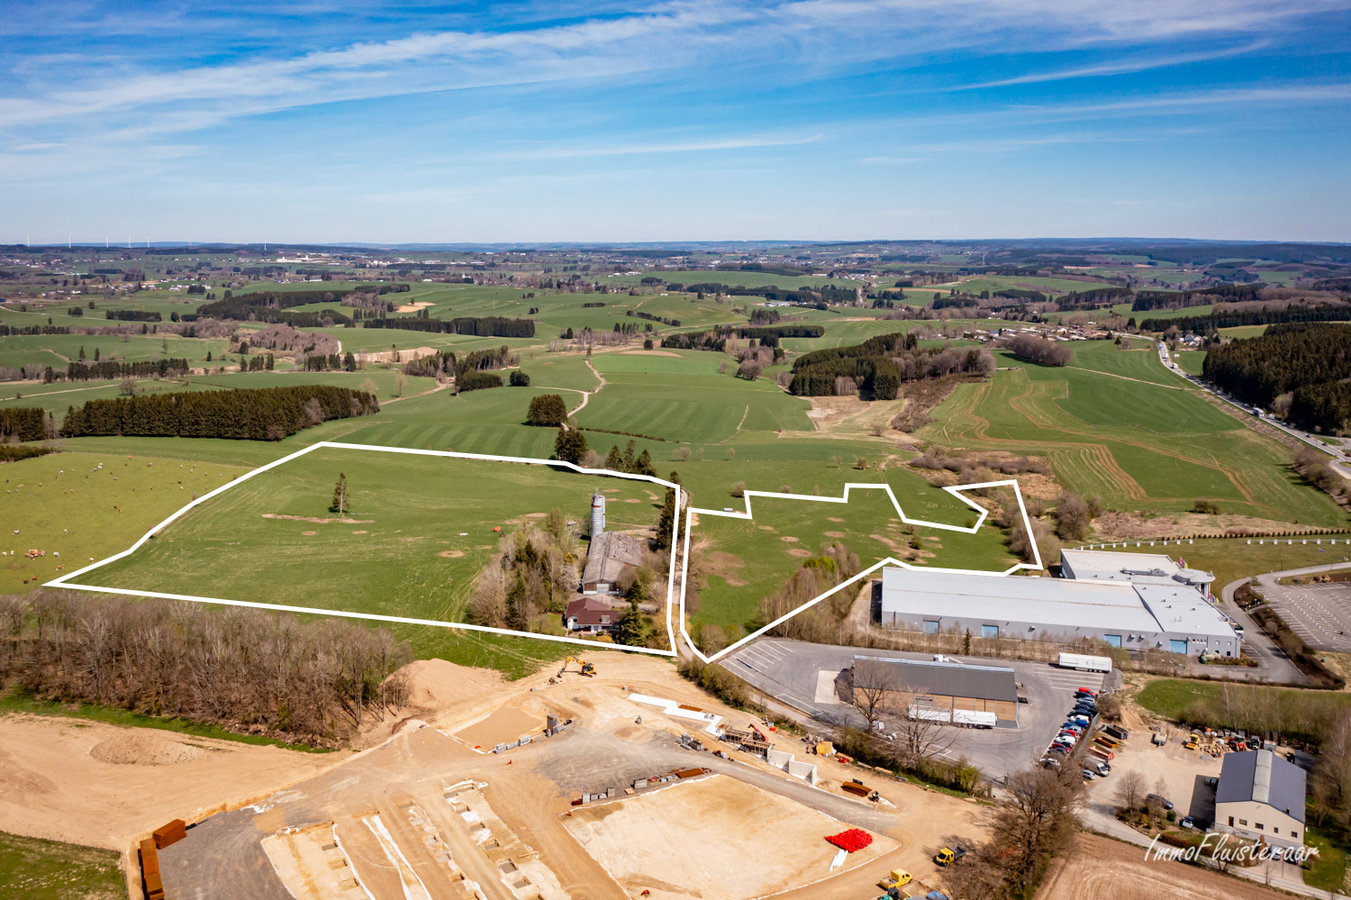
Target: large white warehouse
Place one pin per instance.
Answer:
(1154, 612)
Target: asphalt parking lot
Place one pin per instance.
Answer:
(1318, 613)
(808, 676)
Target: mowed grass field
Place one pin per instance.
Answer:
(743, 561)
(65, 503)
(1138, 445)
(33, 869)
(418, 532)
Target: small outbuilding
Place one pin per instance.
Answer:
(921, 684)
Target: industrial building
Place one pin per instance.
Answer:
(1261, 797)
(1136, 568)
(922, 684)
(1149, 613)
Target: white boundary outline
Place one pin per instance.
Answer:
(65, 580)
(955, 490)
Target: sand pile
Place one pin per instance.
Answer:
(140, 749)
(437, 685)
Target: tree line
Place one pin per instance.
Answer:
(876, 368)
(486, 326)
(1298, 370)
(133, 315)
(22, 423)
(1040, 350)
(259, 414)
(107, 369)
(315, 681)
(1234, 293)
(1270, 314)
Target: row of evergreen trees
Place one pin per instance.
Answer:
(107, 369)
(22, 423)
(1299, 369)
(259, 414)
(869, 365)
(486, 326)
(1269, 314)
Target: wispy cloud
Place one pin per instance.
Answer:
(1128, 66)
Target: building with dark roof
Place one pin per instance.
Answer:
(1261, 797)
(921, 684)
(589, 615)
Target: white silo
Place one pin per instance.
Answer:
(597, 514)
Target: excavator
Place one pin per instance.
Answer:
(586, 668)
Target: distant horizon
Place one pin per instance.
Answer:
(674, 244)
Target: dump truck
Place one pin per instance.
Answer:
(897, 878)
(949, 855)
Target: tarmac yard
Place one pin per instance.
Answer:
(713, 837)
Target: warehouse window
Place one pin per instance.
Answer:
(931, 626)
(1113, 640)
(989, 631)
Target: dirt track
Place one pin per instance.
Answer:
(1103, 869)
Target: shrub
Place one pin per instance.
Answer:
(520, 379)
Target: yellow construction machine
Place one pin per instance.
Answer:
(587, 669)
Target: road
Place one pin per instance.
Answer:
(1272, 663)
(1340, 459)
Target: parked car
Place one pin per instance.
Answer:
(1187, 822)
(1161, 800)
(1089, 774)
(1103, 769)
(1085, 692)
(1079, 720)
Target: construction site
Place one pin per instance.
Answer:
(625, 781)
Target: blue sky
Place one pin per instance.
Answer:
(553, 121)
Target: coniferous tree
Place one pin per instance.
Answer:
(629, 630)
(339, 504)
(613, 461)
(570, 445)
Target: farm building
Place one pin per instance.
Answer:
(1120, 613)
(1261, 797)
(612, 561)
(588, 615)
(937, 685)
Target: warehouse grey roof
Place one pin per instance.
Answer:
(1056, 604)
(1138, 568)
(945, 678)
(1264, 777)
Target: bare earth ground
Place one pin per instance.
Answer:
(1104, 869)
(693, 839)
(1115, 526)
(102, 785)
(419, 775)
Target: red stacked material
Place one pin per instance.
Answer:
(853, 840)
(171, 833)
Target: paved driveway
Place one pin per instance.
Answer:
(808, 677)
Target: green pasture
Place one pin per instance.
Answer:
(34, 869)
(1137, 445)
(743, 561)
(64, 503)
(732, 278)
(1190, 361)
(419, 531)
(992, 283)
(1141, 362)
